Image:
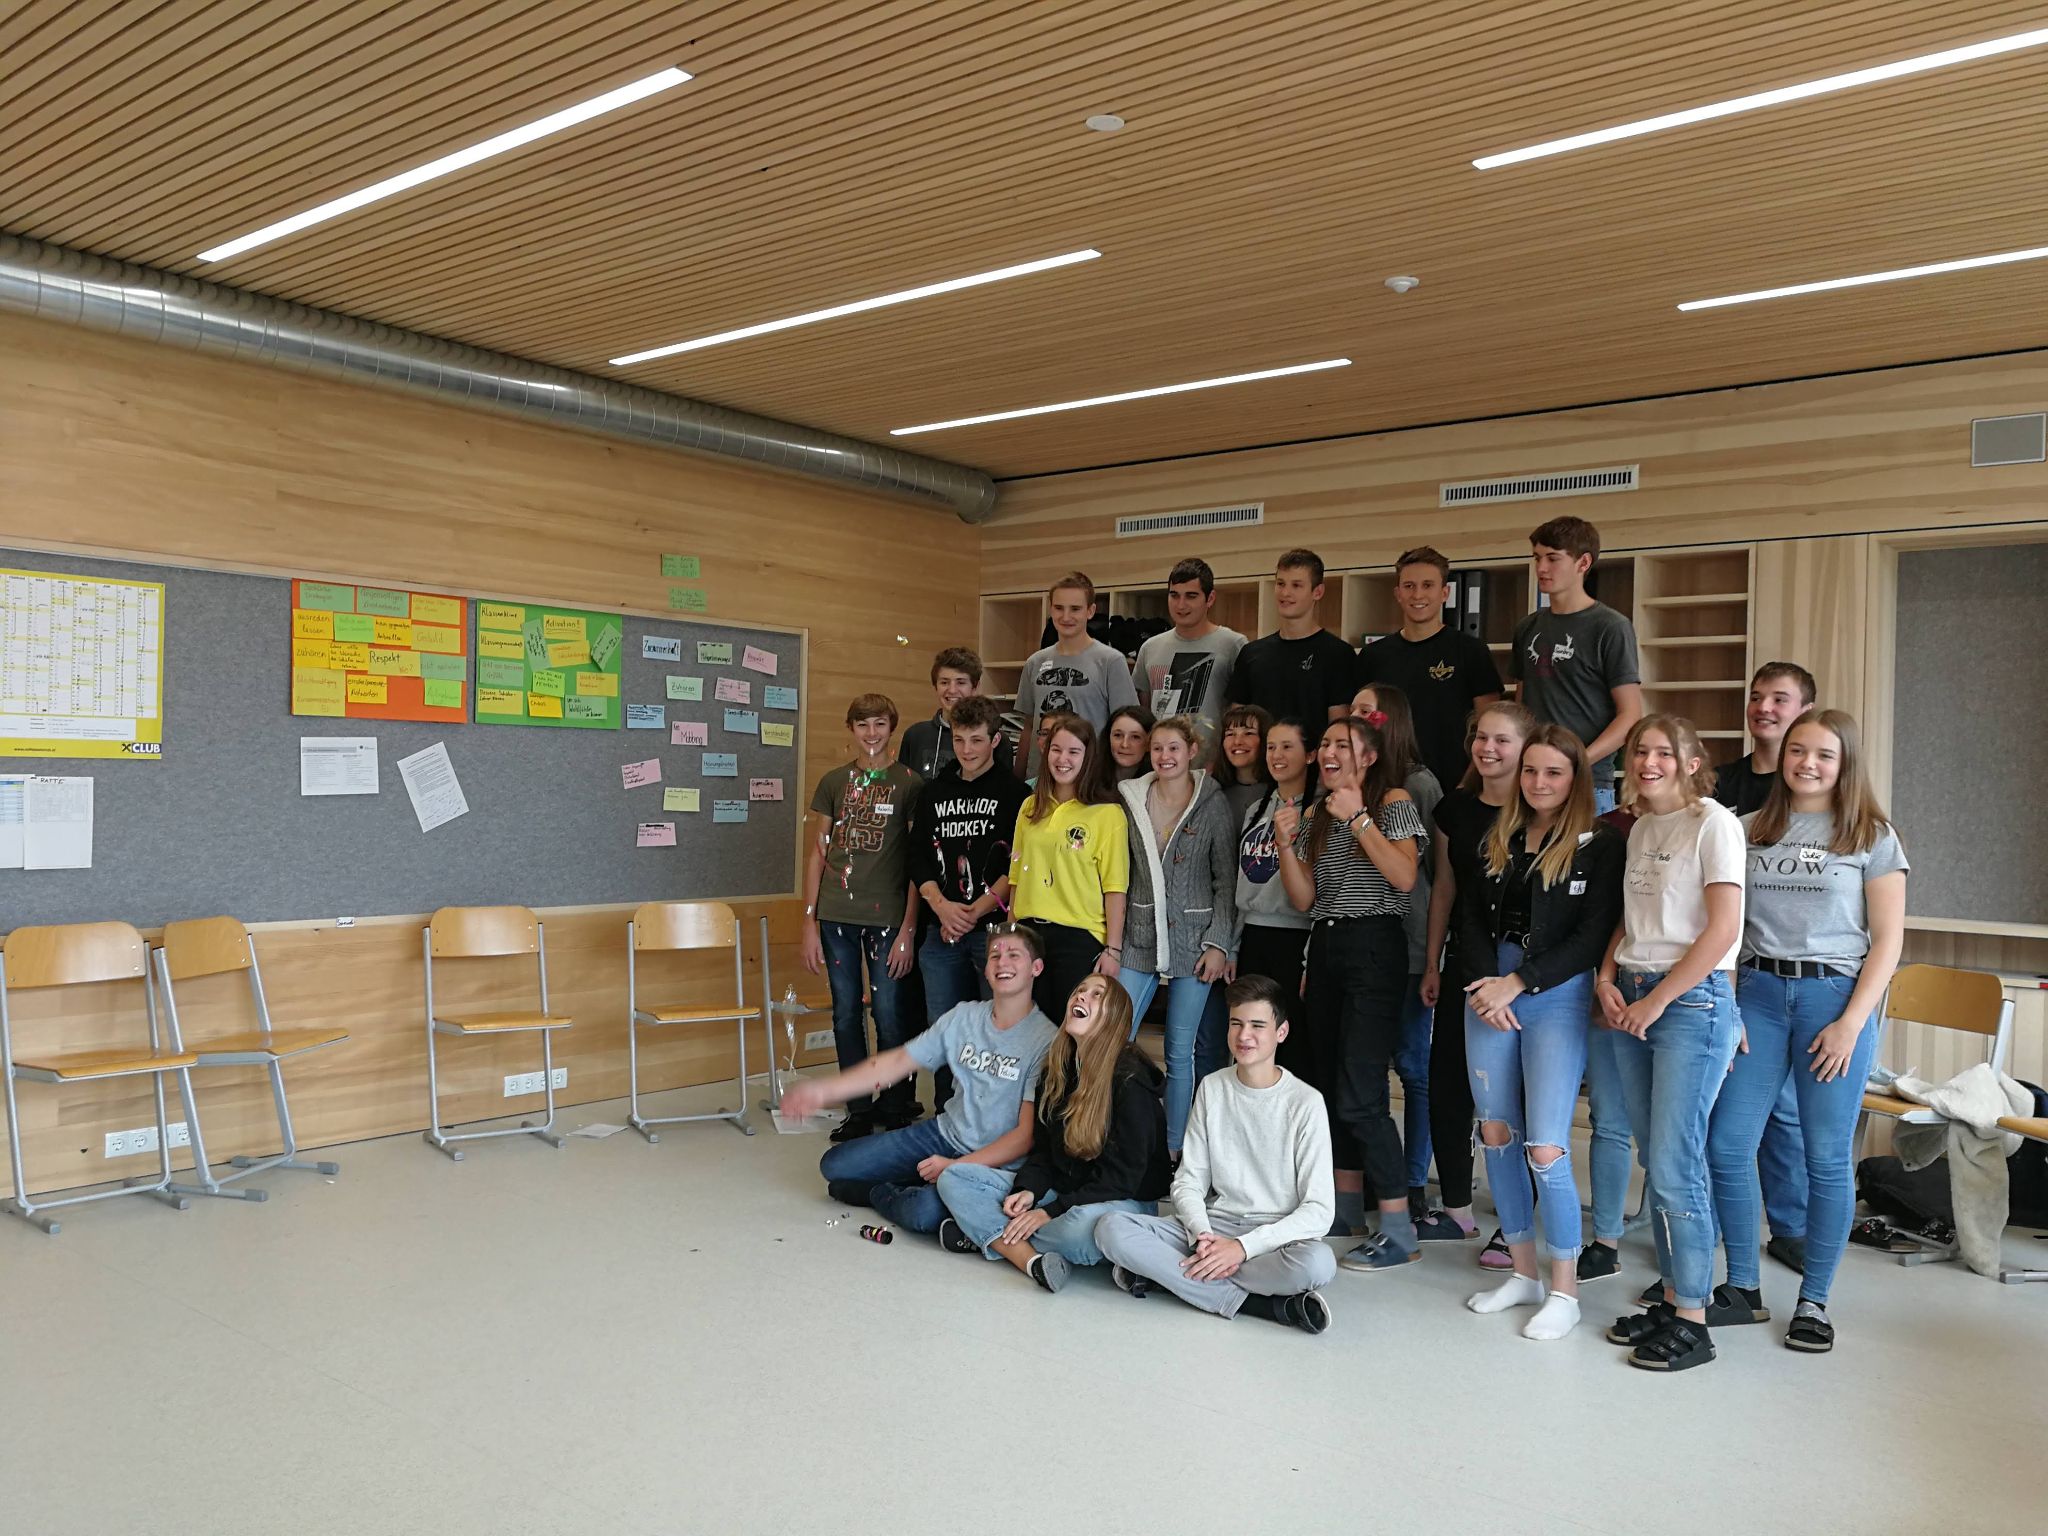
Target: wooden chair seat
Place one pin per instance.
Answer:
(677, 1013)
(74, 1066)
(485, 1021)
(279, 1042)
(807, 1004)
(2033, 1127)
(1899, 1109)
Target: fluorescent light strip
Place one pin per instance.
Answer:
(1129, 394)
(1729, 108)
(1893, 276)
(433, 170)
(767, 327)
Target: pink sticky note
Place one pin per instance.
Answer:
(754, 659)
(689, 733)
(636, 774)
(764, 789)
(735, 690)
(656, 834)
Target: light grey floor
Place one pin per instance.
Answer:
(673, 1339)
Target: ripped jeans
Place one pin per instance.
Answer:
(1528, 1080)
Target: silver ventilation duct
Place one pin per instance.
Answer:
(72, 288)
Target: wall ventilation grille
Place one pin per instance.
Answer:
(2009, 440)
(1570, 482)
(1183, 522)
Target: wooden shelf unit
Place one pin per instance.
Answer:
(1010, 630)
(1692, 616)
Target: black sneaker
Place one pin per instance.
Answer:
(1729, 1307)
(853, 1127)
(1306, 1310)
(1050, 1271)
(1134, 1286)
(1679, 1345)
(894, 1119)
(1598, 1261)
(953, 1240)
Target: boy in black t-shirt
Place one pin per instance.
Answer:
(1301, 671)
(1780, 693)
(1449, 676)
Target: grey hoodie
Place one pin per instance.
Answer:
(1191, 891)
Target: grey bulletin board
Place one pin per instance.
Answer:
(219, 824)
(1971, 669)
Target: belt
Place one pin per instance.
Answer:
(1519, 940)
(1359, 917)
(1795, 969)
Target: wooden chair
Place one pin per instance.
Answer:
(220, 946)
(71, 955)
(462, 933)
(675, 926)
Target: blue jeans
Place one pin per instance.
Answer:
(1781, 1161)
(881, 1171)
(1186, 999)
(1783, 1014)
(1528, 1079)
(1613, 1143)
(1411, 1065)
(846, 946)
(975, 1194)
(1672, 1077)
(952, 974)
(1603, 798)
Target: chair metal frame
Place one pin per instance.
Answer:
(2034, 1128)
(210, 1183)
(773, 1007)
(436, 1137)
(160, 1187)
(636, 1016)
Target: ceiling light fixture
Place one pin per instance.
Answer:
(433, 170)
(2004, 258)
(1822, 87)
(951, 285)
(1129, 394)
(1103, 122)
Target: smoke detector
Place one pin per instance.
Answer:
(1105, 122)
(1404, 284)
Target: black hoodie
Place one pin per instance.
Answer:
(1132, 1163)
(960, 832)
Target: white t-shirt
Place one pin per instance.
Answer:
(1672, 859)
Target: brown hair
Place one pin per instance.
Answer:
(1023, 933)
(1080, 1077)
(1517, 715)
(956, 658)
(1258, 989)
(1800, 678)
(1302, 560)
(1422, 554)
(1091, 787)
(1858, 815)
(1554, 854)
(1192, 569)
(1685, 741)
(1076, 581)
(1574, 535)
(1240, 714)
(1374, 790)
(1397, 729)
(977, 713)
(867, 705)
(1184, 727)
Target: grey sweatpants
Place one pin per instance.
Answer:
(1155, 1247)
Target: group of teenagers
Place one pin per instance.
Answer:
(1341, 866)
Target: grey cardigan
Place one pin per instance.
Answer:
(1191, 891)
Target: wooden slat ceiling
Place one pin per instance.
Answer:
(1281, 160)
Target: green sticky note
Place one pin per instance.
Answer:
(604, 649)
(686, 687)
(388, 605)
(584, 709)
(324, 595)
(714, 653)
(686, 599)
(684, 566)
(449, 669)
(548, 681)
(492, 674)
(442, 693)
(355, 626)
(536, 644)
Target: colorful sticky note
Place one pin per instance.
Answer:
(679, 799)
(778, 735)
(754, 659)
(449, 669)
(428, 609)
(687, 599)
(499, 616)
(536, 645)
(604, 649)
(366, 690)
(320, 594)
(441, 693)
(735, 690)
(764, 789)
(584, 709)
(636, 774)
(721, 765)
(714, 653)
(745, 721)
(493, 673)
(684, 567)
(646, 717)
(436, 637)
(569, 653)
(656, 834)
(778, 698)
(562, 626)
(386, 663)
(500, 646)
(688, 689)
(316, 691)
(392, 605)
(689, 733)
(660, 648)
(350, 658)
(311, 653)
(392, 631)
(728, 810)
(357, 627)
(543, 706)
(550, 682)
(500, 701)
(597, 685)
(312, 624)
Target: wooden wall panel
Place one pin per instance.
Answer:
(1810, 604)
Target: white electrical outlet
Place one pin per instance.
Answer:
(117, 1144)
(520, 1083)
(561, 1078)
(142, 1139)
(181, 1135)
(818, 1040)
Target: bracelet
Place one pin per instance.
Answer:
(1114, 951)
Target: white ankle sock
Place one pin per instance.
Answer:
(1558, 1316)
(1515, 1291)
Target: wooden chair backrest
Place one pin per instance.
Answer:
(68, 953)
(1971, 1001)
(205, 946)
(684, 925)
(459, 931)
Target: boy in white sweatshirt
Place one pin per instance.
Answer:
(1259, 1137)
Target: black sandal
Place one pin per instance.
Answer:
(1810, 1335)
(1679, 1346)
(1875, 1232)
(1630, 1331)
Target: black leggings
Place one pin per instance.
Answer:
(1357, 975)
(1450, 1091)
(1070, 955)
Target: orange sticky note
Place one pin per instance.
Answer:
(597, 685)
(436, 637)
(366, 690)
(316, 691)
(389, 663)
(541, 706)
(312, 624)
(436, 610)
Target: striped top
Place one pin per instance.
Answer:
(1348, 884)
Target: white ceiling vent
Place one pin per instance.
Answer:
(2008, 440)
(1187, 522)
(1567, 482)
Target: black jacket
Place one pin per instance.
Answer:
(1132, 1163)
(1570, 923)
